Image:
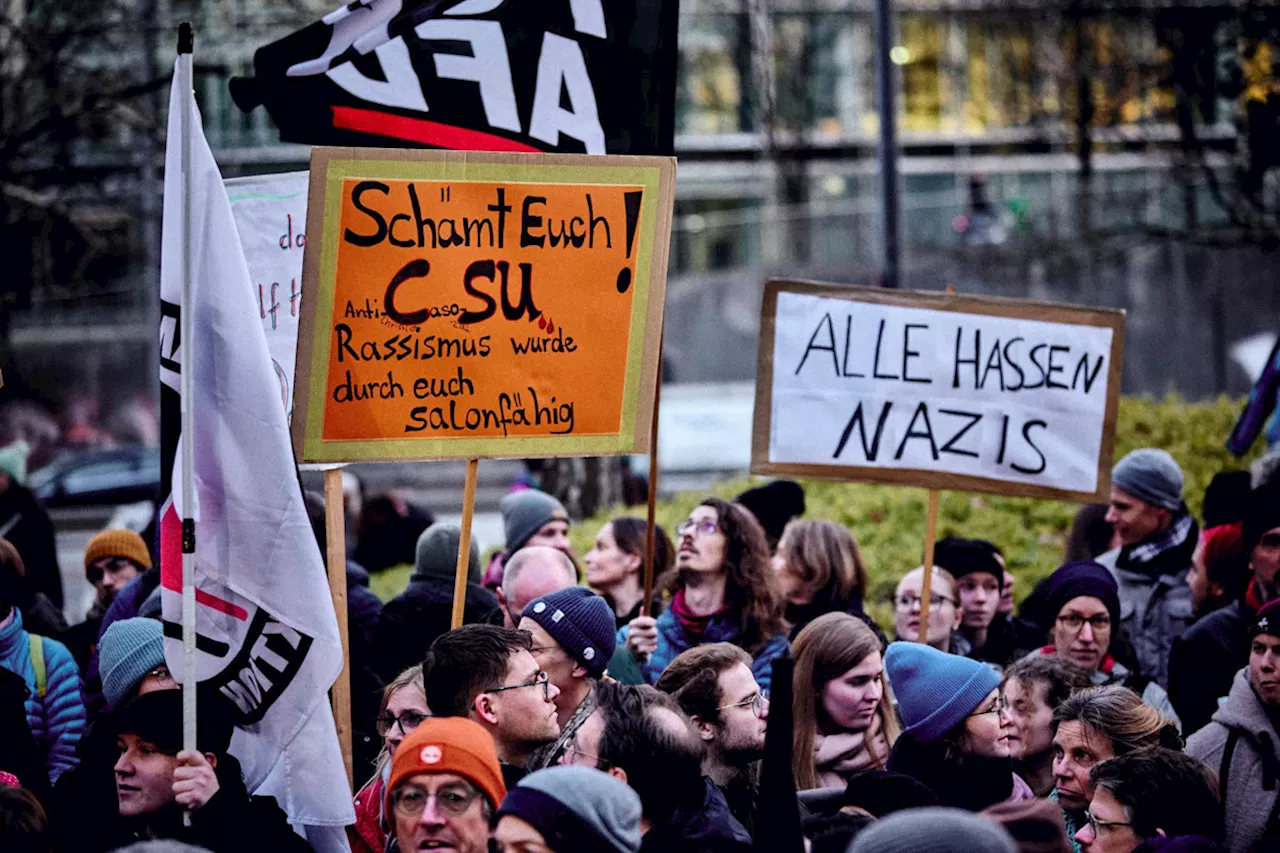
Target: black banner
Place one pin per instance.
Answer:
(557, 76)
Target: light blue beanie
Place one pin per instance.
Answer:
(1150, 475)
(935, 690)
(128, 650)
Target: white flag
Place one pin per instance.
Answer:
(267, 636)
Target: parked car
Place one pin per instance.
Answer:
(98, 477)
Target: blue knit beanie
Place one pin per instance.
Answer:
(1150, 475)
(581, 622)
(128, 650)
(935, 690)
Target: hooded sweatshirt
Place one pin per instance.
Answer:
(1242, 732)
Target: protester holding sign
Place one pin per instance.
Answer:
(1157, 538)
(723, 592)
(844, 719)
(955, 738)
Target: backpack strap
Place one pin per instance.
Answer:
(36, 643)
(1224, 768)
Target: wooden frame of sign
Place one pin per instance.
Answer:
(938, 301)
(615, 257)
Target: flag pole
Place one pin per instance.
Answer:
(186, 44)
(336, 548)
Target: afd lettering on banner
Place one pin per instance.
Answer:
(466, 305)
(271, 217)
(937, 390)
(559, 76)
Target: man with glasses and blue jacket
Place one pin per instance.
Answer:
(488, 674)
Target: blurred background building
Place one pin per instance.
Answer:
(1112, 152)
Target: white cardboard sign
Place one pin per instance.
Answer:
(937, 390)
(271, 216)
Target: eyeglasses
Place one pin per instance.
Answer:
(162, 671)
(541, 678)
(759, 704)
(1096, 825)
(1074, 622)
(908, 601)
(705, 527)
(1001, 707)
(454, 800)
(572, 750)
(1271, 540)
(407, 720)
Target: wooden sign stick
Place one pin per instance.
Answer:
(926, 583)
(464, 544)
(651, 531)
(336, 550)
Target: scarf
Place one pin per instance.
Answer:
(546, 756)
(1150, 557)
(970, 783)
(694, 624)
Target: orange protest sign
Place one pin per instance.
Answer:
(464, 305)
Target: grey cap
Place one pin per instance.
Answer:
(524, 513)
(584, 809)
(1150, 475)
(437, 554)
(934, 830)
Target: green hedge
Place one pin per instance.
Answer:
(889, 521)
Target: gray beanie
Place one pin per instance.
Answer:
(1150, 475)
(577, 808)
(934, 830)
(437, 554)
(523, 513)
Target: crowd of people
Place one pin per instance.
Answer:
(1132, 702)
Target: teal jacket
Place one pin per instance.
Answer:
(57, 720)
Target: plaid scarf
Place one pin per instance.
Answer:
(1139, 557)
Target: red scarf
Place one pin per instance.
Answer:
(694, 624)
(1107, 665)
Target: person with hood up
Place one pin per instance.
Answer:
(1085, 606)
(955, 737)
(723, 591)
(566, 810)
(412, 620)
(1242, 742)
(1157, 538)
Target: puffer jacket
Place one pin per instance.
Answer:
(57, 719)
(1250, 778)
(672, 640)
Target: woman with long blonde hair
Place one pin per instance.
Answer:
(403, 708)
(844, 723)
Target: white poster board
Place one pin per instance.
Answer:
(937, 390)
(271, 216)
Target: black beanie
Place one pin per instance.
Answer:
(1262, 514)
(963, 557)
(773, 505)
(1083, 577)
(156, 717)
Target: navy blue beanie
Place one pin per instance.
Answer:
(935, 690)
(581, 622)
(1082, 577)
